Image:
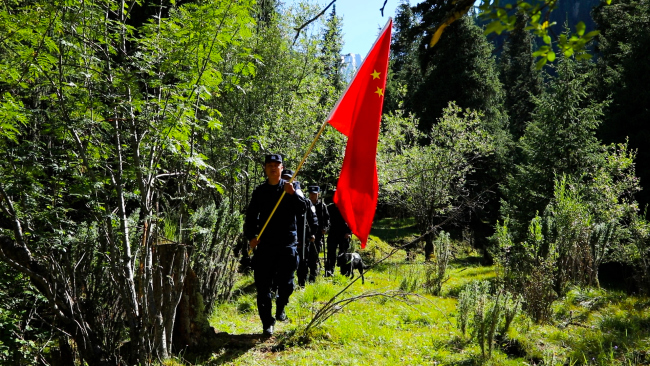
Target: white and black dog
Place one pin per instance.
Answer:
(348, 262)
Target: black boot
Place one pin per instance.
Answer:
(280, 315)
(268, 331)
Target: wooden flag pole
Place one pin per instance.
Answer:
(311, 147)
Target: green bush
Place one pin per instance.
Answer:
(436, 272)
(487, 314)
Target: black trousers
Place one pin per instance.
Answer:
(303, 268)
(308, 266)
(334, 242)
(274, 268)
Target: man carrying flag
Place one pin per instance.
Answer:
(357, 115)
(276, 257)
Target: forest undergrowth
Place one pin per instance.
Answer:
(396, 321)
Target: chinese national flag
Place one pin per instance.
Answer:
(357, 115)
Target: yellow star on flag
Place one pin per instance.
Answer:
(379, 92)
(375, 75)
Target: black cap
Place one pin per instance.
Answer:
(314, 189)
(288, 172)
(273, 158)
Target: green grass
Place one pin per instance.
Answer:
(589, 326)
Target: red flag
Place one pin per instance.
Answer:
(357, 115)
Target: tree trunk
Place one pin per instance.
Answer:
(171, 263)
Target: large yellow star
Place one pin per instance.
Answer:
(375, 75)
(379, 92)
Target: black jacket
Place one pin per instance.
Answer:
(282, 229)
(338, 225)
(323, 216)
(311, 222)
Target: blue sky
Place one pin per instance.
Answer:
(362, 21)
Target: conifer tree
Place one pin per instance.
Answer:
(331, 52)
(520, 76)
(459, 68)
(624, 76)
(560, 139)
(404, 69)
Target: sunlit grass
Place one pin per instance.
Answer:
(589, 326)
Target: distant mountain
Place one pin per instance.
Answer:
(351, 63)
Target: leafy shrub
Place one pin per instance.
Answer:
(214, 232)
(412, 279)
(436, 272)
(486, 314)
(563, 247)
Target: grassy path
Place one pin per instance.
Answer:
(590, 327)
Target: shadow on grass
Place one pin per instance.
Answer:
(469, 261)
(391, 229)
(229, 347)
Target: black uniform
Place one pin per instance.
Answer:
(336, 237)
(276, 257)
(307, 226)
(323, 217)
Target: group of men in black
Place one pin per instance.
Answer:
(292, 239)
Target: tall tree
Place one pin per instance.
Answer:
(459, 68)
(559, 140)
(624, 76)
(520, 77)
(103, 120)
(330, 57)
(404, 69)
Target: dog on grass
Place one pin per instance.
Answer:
(348, 262)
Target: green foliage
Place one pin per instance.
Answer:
(560, 139)
(528, 268)
(330, 54)
(436, 272)
(623, 73)
(565, 246)
(504, 18)
(104, 116)
(460, 68)
(20, 308)
(214, 233)
(428, 181)
(520, 77)
(486, 314)
(639, 253)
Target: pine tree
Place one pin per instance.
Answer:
(460, 68)
(520, 76)
(624, 76)
(331, 52)
(264, 11)
(404, 68)
(560, 139)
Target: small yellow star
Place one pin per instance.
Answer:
(379, 92)
(375, 75)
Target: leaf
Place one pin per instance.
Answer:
(550, 56)
(568, 52)
(580, 28)
(540, 63)
(494, 27)
(547, 39)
